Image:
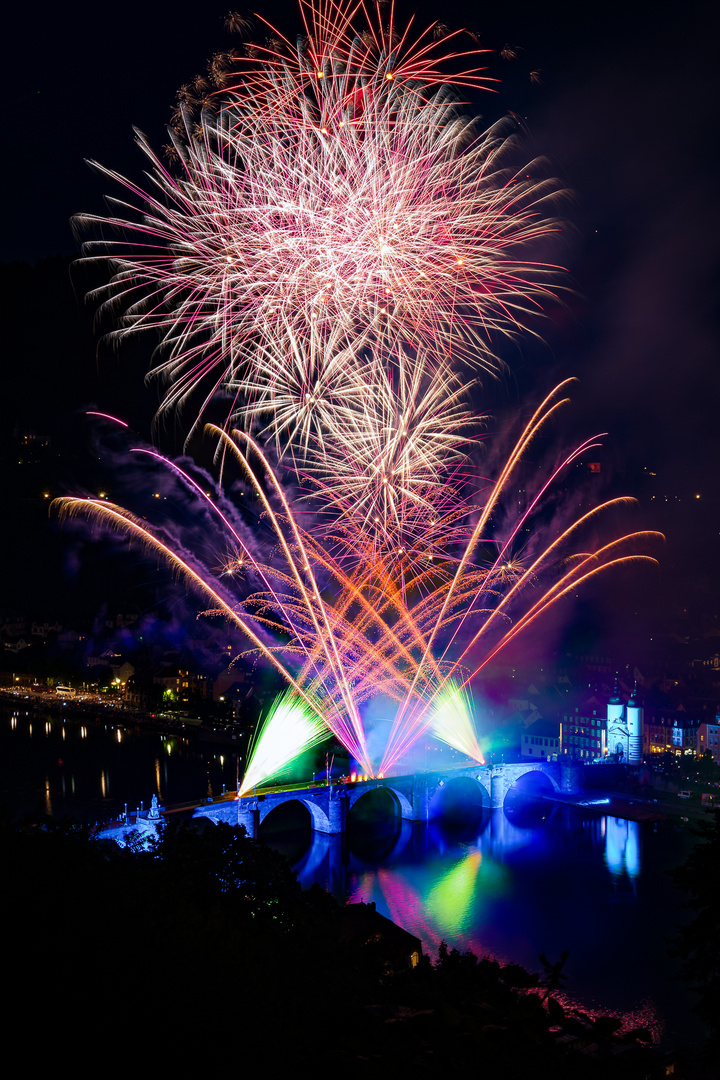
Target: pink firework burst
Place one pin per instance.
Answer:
(336, 188)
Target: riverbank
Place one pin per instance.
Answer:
(657, 807)
(78, 706)
(653, 805)
(120, 715)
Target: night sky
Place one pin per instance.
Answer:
(624, 104)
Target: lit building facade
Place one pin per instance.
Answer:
(583, 735)
(614, 733)
(625, 725)
(673, 732)
(541, 741)
(184, 686)
(708, 738)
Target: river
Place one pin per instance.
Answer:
(511, 885)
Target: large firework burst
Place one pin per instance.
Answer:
(333, 190)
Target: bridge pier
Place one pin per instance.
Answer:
(419, 802)
(497, 790)
(571, 778)
(336, 812)
(247, 815)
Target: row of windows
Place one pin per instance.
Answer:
(586, 720)
(570, 732)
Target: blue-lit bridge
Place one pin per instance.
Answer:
(415, 796)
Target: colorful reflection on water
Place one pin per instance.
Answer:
(521, 884)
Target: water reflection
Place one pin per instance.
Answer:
(316, 854)
(516, 874)
(88, 769)
(622, 847)
(512, 830)
(448, 901)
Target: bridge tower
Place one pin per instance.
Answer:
(635, 728)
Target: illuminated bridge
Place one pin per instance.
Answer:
(417, 797)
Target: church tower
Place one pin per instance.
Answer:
(618, 736)
(635, 715)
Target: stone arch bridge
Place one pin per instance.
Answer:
(329, 806)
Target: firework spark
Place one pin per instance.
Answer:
(392, 475)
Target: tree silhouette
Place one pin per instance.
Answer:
(698, 943)
(554, 979)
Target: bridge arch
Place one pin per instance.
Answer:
(399, 798)
(531, 781)
(318, 818)
(225, 812)
(457, 796)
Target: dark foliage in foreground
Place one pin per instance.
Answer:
(207, 954)
(698, 943)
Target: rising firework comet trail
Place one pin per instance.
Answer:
(453, 721)
(289, 729)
